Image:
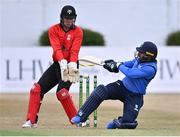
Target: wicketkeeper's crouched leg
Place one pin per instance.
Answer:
(66, 100)
(33, 107)
(34, 103)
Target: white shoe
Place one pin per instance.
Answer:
(28, 124)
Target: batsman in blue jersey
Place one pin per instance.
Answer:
(138, 73)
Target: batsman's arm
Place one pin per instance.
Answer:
(129, 64)
(145, 71)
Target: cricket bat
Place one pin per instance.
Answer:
(90, 61)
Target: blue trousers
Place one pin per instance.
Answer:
(114, 91)
(132, 101)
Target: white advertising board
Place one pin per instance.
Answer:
(21, 67)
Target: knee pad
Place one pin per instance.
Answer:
(35, 92)
(62, 94)
(124, 125)
(36, 88)
(101, 92)
(65, 98)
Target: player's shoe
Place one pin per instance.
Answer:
(28, 124)
(116, 123)
(111, 125)
(76, 120)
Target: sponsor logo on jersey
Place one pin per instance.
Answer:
(68, 37)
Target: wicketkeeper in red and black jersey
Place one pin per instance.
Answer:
(65, 39)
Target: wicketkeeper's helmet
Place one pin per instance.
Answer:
(68, 12)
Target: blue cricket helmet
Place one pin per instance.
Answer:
(149, 48)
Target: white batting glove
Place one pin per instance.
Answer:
(73, 72)
(64, 69)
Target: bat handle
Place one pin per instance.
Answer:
(102, 62)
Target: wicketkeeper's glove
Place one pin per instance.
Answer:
(64, 70)
(112, 65)
(73, 72)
